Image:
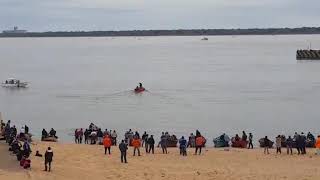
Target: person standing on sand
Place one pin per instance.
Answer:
(318, 145)
(123, 147)
(107, 142)
(289, 143)
(151, 143)
(266, 145)
(200, 141)
(183, 146)
(80, 134)
(76, 136)
(163, 143)
(303, 143)
(250, 141)
(278, 144)
(144, 138)
(48, 159)
(136, 143)
(114, 136)
(86, 136)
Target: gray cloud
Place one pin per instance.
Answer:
(46, 15)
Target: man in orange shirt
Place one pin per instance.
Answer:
(136, 143)
(107, 142)
(318, 145)
(200, 141)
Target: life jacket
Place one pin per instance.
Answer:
(107, 142)
(318, 143)
(136, 143)
(200, 141)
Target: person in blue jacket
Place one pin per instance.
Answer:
(183, 146)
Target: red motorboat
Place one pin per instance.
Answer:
(139, 90)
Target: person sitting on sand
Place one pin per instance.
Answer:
(48, 156)
(107, 142)
(266, 147)
(200, 141)
(318, 145)
(151, 143)
(123, 147)
(16, 146)
(26, 149)
(278, 144)
(136, 143)
(183, 146)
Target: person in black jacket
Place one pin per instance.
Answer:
(48, 159)
(151, 144)
(123, 147)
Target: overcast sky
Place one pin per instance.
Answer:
(54, 15)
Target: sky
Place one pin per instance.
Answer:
(87, 15)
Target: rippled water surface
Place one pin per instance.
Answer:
(227, 84)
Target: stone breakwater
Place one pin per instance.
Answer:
(308, 54)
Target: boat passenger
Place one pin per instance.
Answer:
(53, 133)
(237, 138)
(140, 85)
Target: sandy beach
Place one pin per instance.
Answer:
(74, 162)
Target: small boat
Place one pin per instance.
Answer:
(205, 39)
(221, 141)
(262, 144)
(50, 139)
(139, 90)
(14, 83)
(238, 143)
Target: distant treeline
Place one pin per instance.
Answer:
(180, 32)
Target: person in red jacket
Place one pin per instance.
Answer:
(318, 145)
(107, 142)
(200, 141)
(136, 143)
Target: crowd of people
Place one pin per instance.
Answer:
(108, 138)
(22, 150)
(131, 138)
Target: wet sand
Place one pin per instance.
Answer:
(85, 162)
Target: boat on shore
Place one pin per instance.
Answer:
(14, 83)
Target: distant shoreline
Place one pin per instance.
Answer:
(180, 32)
